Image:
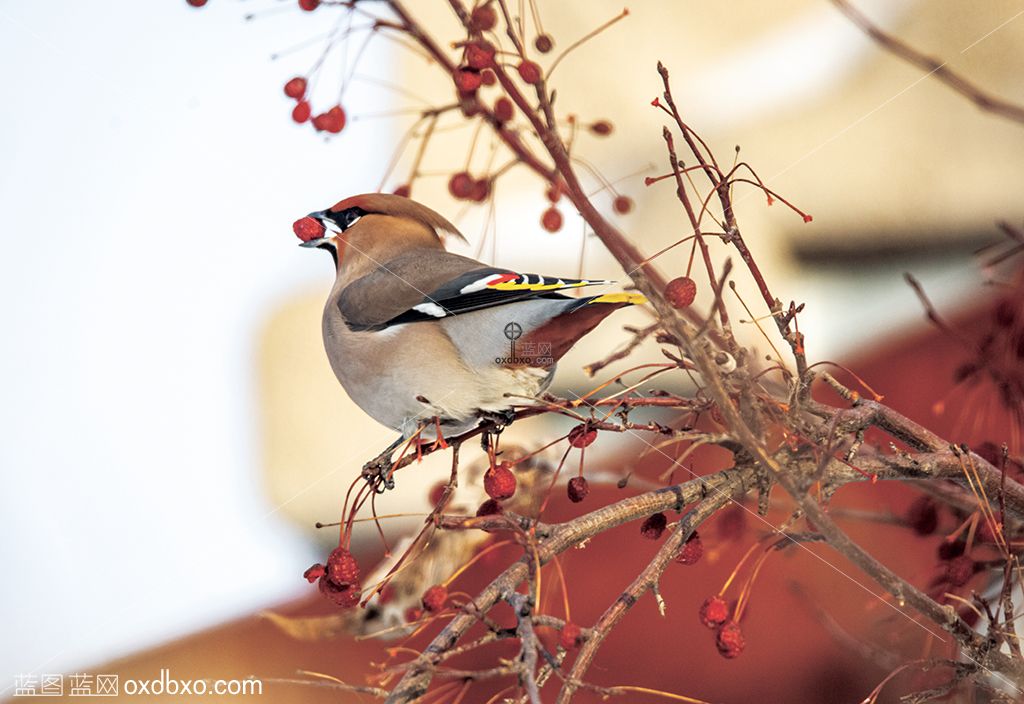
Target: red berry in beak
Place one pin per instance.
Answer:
(307, 229)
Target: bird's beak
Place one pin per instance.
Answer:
(319, 216)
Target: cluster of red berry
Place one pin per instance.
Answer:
(339, 579)
(333, 120)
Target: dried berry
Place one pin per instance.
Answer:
(460, 185)
(503, 109)
(681, 291)
(544, 43)
(483, 18)
(714, 612)
(488, 77)
(529, 71)
(434, 598)
(314, 573)
(467, 80)
(569, 636)
(653, 526)
(480, 55)
(551, 220)
(309, 5)
(578, 489)
(301, 111)
(342, 568)
(345, 596)
(582, 436)
(295, 88)
(500, 482)
(923, 515)
(601, 128)
(622, 204)
(959, 570)
(730, 640)
(489, 508)
(691, 551)
(307, 229)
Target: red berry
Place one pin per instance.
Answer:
(460, 185)
(467, 80)
(714, 612)
(413, 613)
(295, 88)
(582, 435)
(196, 3)
(307, 229)
(488, 77)
(503, 109)
(808, 218)
(654, 526)
(544, 43)
(332, 121)
(483, 18)
(342, 568)
(730, 640)
(601, 128)
(959, 570)
(681, 291)
(434, 598)
(551, 220)
(301, 111)
(578, 489)
(490, 508)
(554, 192)
(481, 190)
(691, 551)
(923, 515)
(309, 5)
(569, 636)
(500, 482)
(314, 573)
(529, 71)
(405, 190)
(622, 204)
(480, 55)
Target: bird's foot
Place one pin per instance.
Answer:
(500, 419)
(377, 472)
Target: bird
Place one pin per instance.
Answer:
(429, 342)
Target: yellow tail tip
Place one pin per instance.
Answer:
(630, 299)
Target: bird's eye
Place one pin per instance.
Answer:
(350, 217)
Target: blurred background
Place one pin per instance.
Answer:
(168, 410)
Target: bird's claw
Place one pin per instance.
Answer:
(377, 473)
(501, 419)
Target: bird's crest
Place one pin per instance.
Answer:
(389, 204)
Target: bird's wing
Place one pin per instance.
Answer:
(417, 287)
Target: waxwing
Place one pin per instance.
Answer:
(422, 338)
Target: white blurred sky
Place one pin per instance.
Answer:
(149, 178)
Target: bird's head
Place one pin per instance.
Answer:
(372, 227)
